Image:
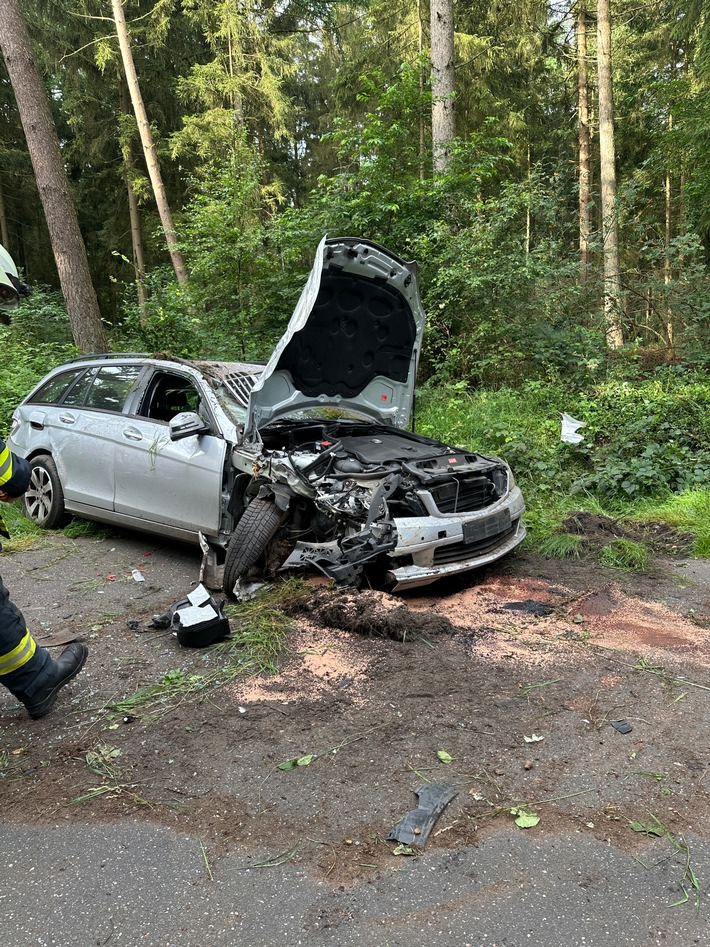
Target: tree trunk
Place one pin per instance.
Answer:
(667, 275)
(43, 145)
(422, 117)
(585, 177)
(135, 217)
(443, 122)
(4, 233)
(607, 154)
(151, 157)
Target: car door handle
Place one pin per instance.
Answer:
(67, 418)
(132, 434)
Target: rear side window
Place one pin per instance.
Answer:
(111, 386)
(77, 392)
(51, 392)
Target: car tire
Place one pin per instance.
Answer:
(252, 534)
(43, 501)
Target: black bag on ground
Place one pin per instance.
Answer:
(198, 620)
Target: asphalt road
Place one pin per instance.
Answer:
(75, 886)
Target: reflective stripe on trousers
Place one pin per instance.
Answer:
(13, 660)
(25, 666)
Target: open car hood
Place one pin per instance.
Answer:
(352, 343)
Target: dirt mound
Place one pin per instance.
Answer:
(600, 530)
(373, 614)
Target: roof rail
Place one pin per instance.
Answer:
(107, 355)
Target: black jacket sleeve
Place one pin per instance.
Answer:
(14, 472)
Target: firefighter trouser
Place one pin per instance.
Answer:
(24, 665)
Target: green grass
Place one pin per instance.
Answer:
(562, 546)
(686, 512)
(84, 529)
(523, 427)
(24, 533)
(624, 554)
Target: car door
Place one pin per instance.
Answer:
(177, 483)
(87, 423)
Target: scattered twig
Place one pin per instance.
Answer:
(276, 861)
(207, 863)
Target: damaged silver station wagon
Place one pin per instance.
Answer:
(304, 462)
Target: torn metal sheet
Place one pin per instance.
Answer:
(416, 825)
(211, 571)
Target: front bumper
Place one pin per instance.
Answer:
(433, 547)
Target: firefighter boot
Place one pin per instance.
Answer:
(67, 666)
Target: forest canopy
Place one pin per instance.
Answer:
(275, 123)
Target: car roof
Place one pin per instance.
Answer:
(238, 377)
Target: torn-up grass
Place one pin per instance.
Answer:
(687, 880)
(206, 860)
(276, 861)
(101, 761)
(83, 529)
(671, 679)
(528, 688)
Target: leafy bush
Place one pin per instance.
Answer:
(645, 439)
(646, 447)
(37, 338)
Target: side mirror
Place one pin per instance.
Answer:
(187, 424)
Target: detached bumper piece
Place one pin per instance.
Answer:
(416, 825)
(344, 561)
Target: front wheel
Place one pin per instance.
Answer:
(251, 536)
(43, 501)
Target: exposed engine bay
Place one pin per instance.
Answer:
(355, 494)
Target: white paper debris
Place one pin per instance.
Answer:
(569, 429)
(198, 595)
(194, 615)
(138, 575)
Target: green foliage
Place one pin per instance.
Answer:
(624, 554)
(37, 338)
(646, 450)
(648, 438)
(232, 304)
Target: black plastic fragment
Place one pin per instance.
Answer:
(531, 607)
(623, 726)
(416, 825)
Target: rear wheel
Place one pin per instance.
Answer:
(43, 501)
(252, 534)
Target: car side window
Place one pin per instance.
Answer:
(77, 393)
(111, 386)
(52, 391)
(168, 395)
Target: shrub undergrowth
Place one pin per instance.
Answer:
(645, 453)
